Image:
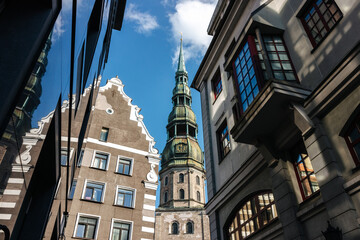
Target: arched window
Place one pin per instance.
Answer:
(251, 216)
(165, 197)
(166, 181)
(181, 194)
(181, 178)
(198, 196)
(190, 227)
(197, 180)
(175, 228)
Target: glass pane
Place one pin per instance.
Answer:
(301, 170)
(115, 234)
(80, 231)
(120, 168)
(124, 234)
(354, 134)
(314, 183)
(90, 231)
(127, 169)
(273, 56)
(308, 165)
(306, 188)
(128, 200)
(290, 76)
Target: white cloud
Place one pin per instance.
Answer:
(145, 23)
(58, 29)
(192, 17)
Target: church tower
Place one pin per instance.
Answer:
(181, 213)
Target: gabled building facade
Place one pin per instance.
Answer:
(181, 213)
(280, 91)
(113, 192)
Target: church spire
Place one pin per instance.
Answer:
(181, 64)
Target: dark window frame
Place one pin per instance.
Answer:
(223, 149)
(92, 189)
(300, 156)
(175, 228)
(124, 165)
(190, 227)
(198, 196)
(249, 71)
(197, 180)
(351, 143)
(181, 178)
(166, 195)
(216, 85)
(311, 9)
(181, 194)
(104, 134)
(86, 226)
(125, 192)
(121, 229)
(234, 225)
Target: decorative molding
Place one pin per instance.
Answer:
(25, 156)
(17, 167)
(134, 113)
(151, 185)
(152, 176)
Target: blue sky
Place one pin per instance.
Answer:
(144, 55)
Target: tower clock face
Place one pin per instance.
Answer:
(181, 148)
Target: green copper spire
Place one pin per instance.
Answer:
(181, 64)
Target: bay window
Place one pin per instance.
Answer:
(250, 66)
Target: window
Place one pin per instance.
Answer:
(166, 181)
(197, 180)
(124, 166)
(216, 85)
(64, 154)
(181, 130)
(120, 230)
(352, 138)
(72, 190)
(305, 174)
(100, 161)
(189, 227)
(172, 132)
(253, 215)
(198, 196)
(319, 18)
(192, 131)
(93, 191)
(125, 197)
(86, 227)
(104, 134)
(175, 228)
(250, 71)
(165, 197)
(223, 140)
(63, 157)
(80, 158)
(181, 194)
(181, 178)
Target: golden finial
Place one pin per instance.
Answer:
(181, 36)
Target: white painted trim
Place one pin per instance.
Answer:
(149, 207)
(122, 221)
(125, 188)
(71, 154)
(148, 219)
(7, 204)
(150, 197)
(151, 185)
(96, 182)
(72, 139)
(125, 158)
(16, 180)
(4, 216)
(57, 188)
(148, 229)
(117, 146)
(87, 215)
(12, 192)
(107, 162)
(145, 239)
